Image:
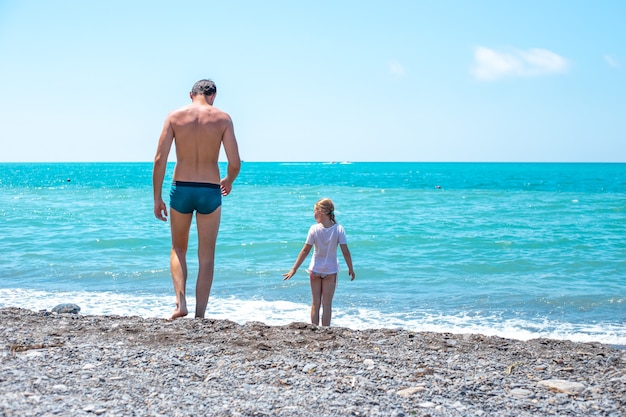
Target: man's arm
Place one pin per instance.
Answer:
(232, 153)
(158, 171)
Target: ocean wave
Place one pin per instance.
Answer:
(280, 312)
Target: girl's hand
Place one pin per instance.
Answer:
(288, 275)
(352, 275)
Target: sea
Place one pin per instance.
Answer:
(517, 250)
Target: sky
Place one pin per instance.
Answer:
(341, 80)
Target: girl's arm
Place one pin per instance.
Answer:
(301, 257)
(348, 257)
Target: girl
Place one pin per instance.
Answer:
(325, 236)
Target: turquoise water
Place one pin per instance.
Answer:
(516, 250)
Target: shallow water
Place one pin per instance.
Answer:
(516, 250)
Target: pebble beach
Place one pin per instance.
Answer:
(71, 364)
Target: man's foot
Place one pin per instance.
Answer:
(179, 313)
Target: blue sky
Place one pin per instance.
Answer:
(443, 80)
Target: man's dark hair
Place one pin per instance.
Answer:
(204, 87)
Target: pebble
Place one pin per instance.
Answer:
(61, 364)
(520, 392)
(408, 392)
(309, 367)
(559, 385)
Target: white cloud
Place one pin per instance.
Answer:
(397, 69)
(491, 64)
(611, 61)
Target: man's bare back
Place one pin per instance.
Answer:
(198, 130)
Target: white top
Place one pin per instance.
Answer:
(325, 242)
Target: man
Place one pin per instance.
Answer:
(199, 130)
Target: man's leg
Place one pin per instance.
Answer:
(328, 292)
(208, 226)
(180, 224)
(316, 298)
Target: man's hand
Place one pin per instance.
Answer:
(160, 210)
(226, 186)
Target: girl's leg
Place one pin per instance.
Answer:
(328, 291)
(316, 293)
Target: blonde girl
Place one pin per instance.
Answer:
(324, 236)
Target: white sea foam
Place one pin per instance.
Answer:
(285, 312)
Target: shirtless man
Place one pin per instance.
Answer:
(199, 130)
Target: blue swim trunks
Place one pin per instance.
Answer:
(203, 197)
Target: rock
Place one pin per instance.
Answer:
(66, 308)
(407, 392)
(520, 393)
(560, 385)
(309, 367)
